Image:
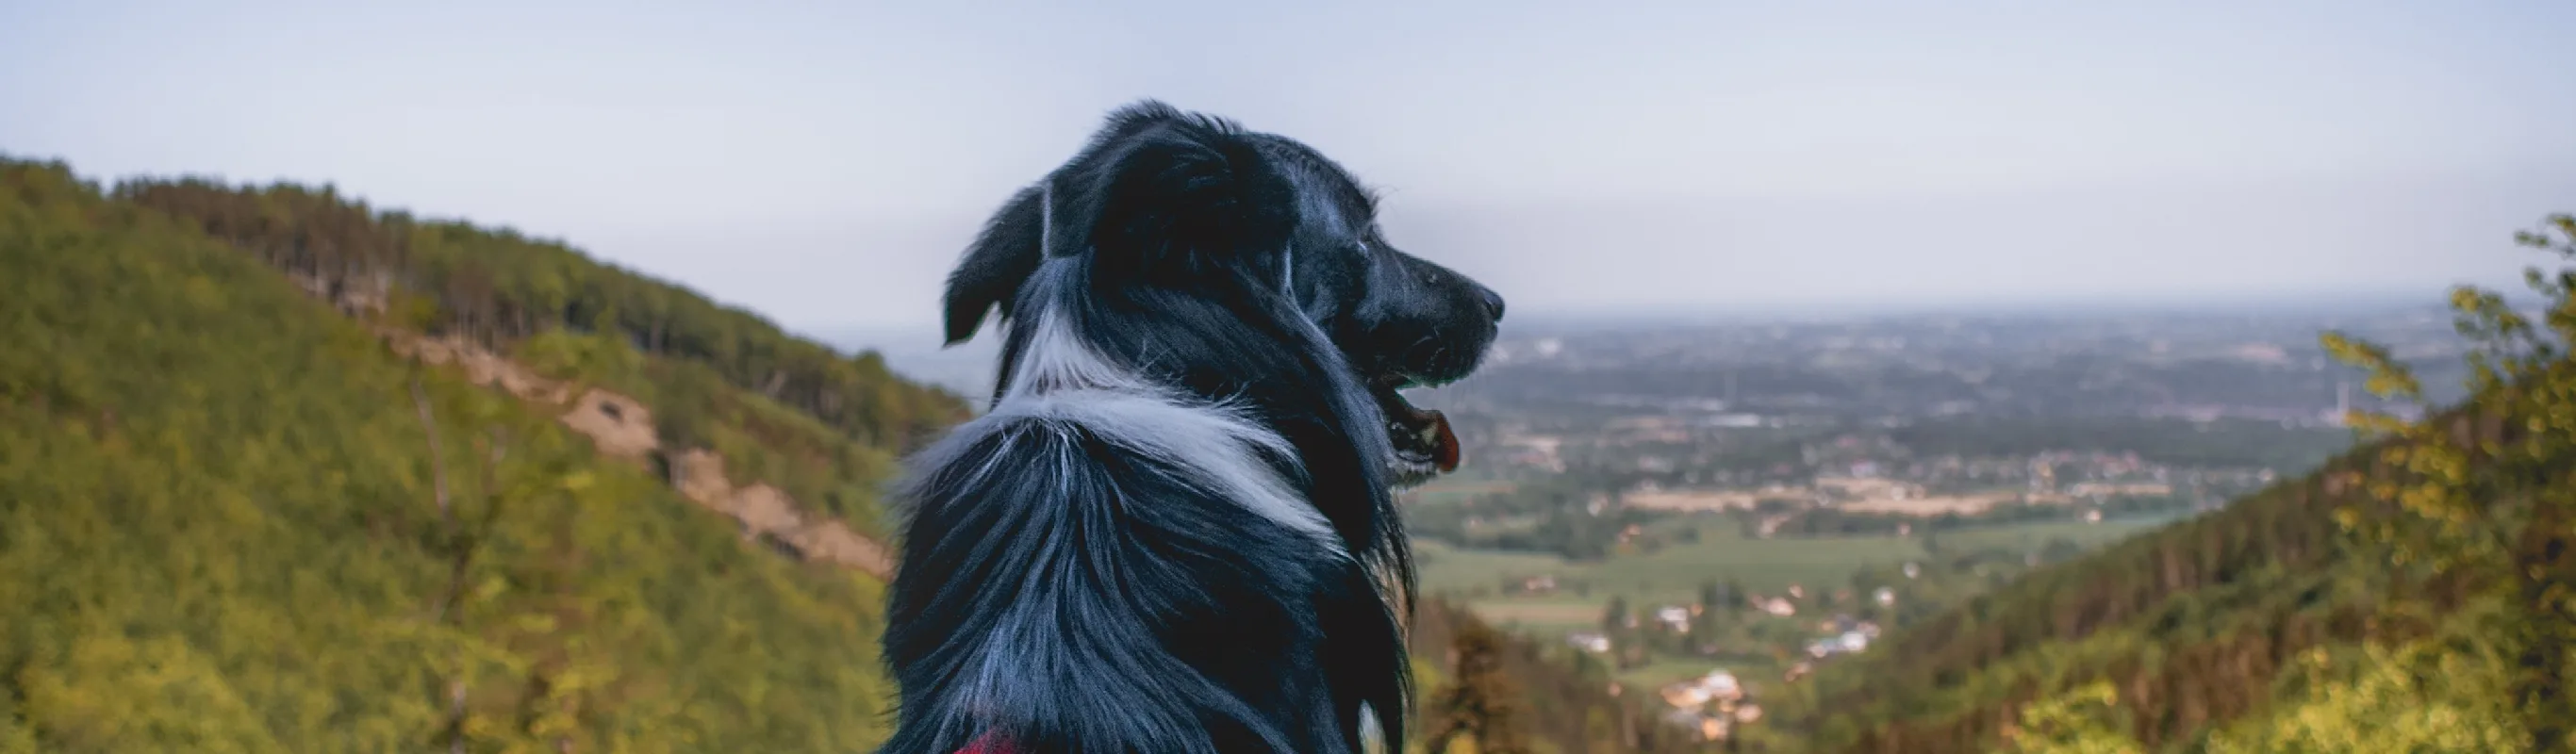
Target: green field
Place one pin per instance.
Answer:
(1674, 573)
(1666, 670)
(2032, 536)
(1466, 485)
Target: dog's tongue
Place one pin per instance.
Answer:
(1421, 425)
(1447, 441)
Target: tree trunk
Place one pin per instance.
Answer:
(456, 717)
(437, 461)
(2545, 579)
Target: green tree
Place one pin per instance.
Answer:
(2076, 722)
(2428, 697)
(1481, 703)
(2491, 486)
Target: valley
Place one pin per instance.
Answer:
(1753, 504)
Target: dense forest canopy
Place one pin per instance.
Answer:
(498, 286)
(824, 427)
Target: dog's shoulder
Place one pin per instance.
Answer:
(1085, 565)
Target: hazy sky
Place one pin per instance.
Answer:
(825, 162)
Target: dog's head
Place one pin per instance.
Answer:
(1169, 204)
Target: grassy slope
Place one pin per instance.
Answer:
(218, 534)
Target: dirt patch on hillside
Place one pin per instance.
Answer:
(482, 367)
(763, 510)
(619, 425)
(622, 427)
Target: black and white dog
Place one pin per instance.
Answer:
(1174, 530)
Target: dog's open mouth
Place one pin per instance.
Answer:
(1424, 445)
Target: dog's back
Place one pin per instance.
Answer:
(1086, 587)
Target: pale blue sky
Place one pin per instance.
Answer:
(824, 162)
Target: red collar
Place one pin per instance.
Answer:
(991, 743)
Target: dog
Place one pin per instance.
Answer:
(1174, 528)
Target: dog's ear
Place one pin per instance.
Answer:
(1003, 257)
(1171, 193)
(1157, 191)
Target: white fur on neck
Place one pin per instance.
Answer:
(1057, 358)
(1061, 378)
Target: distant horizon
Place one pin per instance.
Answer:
(926, 335)
(1861, 307)
(926, 329)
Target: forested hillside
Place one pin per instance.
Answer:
(2417, 594)
(497, 286)
(822, 427)
(226, 526)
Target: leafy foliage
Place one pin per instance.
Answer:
(2428, 697)
(2492, 489)
(2076, 722)
(2431, 697)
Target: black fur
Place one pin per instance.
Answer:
(1068, 583)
